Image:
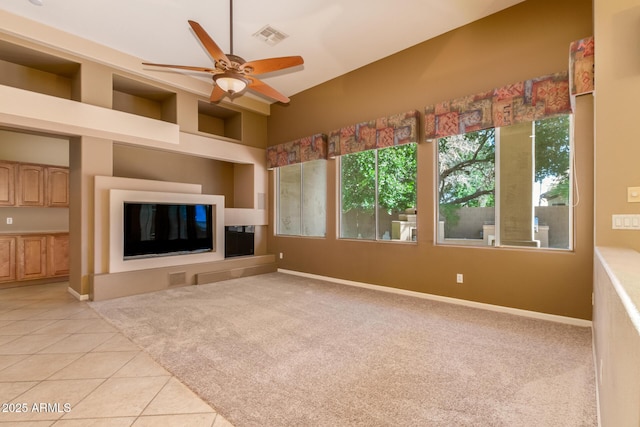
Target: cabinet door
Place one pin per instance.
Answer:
(58, 255)
(32, 257)
(7, 184)
(30, 185)
(7, 259)
(57, 193)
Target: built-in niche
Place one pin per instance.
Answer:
(135, 97)
(40, 72)
(219, 121)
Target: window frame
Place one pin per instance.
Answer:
(277, 204)
(339, 193)
(497, 198)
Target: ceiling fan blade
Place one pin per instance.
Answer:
(211, 46)
(183, 67)
(217, 94)
(263, 88)
(262, 66)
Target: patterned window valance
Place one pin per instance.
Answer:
(301, 150)
(388, 131)
(581, 62)
(517, 103)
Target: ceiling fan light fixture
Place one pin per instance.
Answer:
(230, 83)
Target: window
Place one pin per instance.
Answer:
(302, 199)
(378, 194)
(508, 186)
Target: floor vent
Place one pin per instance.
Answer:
(179, 278)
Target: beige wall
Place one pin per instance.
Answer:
(615, 323)
(216, 177)
(34, 148)
(528, 40)
(617, 70)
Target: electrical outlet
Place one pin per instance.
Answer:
(459, 278)
(281, 255)
(9, 220)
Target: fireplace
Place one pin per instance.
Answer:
(238, 240)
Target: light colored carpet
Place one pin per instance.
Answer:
(281, 350)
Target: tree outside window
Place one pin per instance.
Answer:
(377, 188)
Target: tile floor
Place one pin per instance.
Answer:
(62, 365)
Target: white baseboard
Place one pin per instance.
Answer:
(76, 295)
(519, 312)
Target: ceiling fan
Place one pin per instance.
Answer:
(231, 73)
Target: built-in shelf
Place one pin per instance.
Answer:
(135, 97)
(39, 72)
(220, 121)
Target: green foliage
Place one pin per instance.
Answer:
(553, 148)
(397, 169)
(358, 181)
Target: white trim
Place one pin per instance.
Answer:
(76, 295)
(516, 311)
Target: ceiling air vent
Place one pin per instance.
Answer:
(270, 35)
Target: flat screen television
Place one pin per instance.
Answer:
(163, 229)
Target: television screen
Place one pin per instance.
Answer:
(155, 229)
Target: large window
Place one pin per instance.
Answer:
(378, 194)
(302, 199)
(509, 186)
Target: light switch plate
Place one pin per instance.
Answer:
(633, 194)
(625, 222)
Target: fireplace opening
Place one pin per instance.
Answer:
(239, 240)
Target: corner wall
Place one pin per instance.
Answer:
(528, 40)
(617, 70)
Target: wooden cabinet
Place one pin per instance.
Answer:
(57, 186)
(58, 255)
(7, 258)
(33, 256)
(25, 184)
(30, 185)
(7, 184)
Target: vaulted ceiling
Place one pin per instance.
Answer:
(333, 36)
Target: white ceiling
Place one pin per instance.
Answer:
(333, 36)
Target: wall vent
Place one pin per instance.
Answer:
(178, 278)
(270, 35)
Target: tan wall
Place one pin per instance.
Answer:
(617, 68)
(32, 148)
(216, 177)
(528, 40)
